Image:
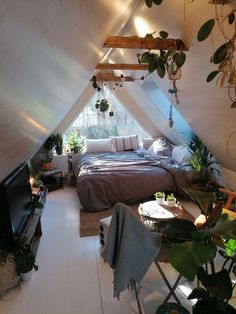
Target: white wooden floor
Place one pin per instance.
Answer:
(72, 278)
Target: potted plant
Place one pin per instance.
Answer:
(192, 253)
(46, 156)
(202, 162)
(160, 197)
(102, 105)
(73, 141)
(171, 200)
(58, 142)
(24, 258)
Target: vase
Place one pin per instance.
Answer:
(160, 200)
(26, 277)
(171, 203)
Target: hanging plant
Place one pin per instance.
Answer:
(102, 105)
(223, 56)
(165, 61)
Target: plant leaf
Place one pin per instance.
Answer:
(220, 53)
(187, 257)
(233, 105)
(198, 293)
(205, 30)
(152, 63)
(179, 58)
(212, 75)
(218, 284)
(163, 34)
(161, 71)
(144, 57)
(158, 2)
(148, 3)
(231, 18)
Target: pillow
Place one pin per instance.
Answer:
(147, 142)
(161, 146)
(97, 146)
(181, 154)
(122, 143)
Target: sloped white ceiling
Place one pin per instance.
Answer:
(48, 53)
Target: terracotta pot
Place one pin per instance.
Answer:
(47, 166)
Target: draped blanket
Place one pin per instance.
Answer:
(104, 179)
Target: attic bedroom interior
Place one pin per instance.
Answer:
(118, 149)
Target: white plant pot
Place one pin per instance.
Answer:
(25, 277)
(171, 203)
(160, 200)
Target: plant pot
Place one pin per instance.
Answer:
(59, 150)
(25, 277)
(47, 166)
(171, 307)
(203, 307)
(160, 200)
(171, 203)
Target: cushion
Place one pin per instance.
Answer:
(122, 143)
(161, 146)
(181, 154)
(98, 145)
(147, 142)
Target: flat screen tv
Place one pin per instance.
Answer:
(15, 201)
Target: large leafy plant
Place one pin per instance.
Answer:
(192, 253)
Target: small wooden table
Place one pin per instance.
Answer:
(152, 212)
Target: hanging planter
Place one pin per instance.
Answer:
(102, 105)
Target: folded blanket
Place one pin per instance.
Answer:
(131, 248)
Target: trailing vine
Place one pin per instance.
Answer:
(223, 56)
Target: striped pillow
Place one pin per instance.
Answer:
(122, 143)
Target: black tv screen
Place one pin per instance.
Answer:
(16, 200)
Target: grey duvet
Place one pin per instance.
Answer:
(104, 179)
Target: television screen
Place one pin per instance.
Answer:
(17, 198)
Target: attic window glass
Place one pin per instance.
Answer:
(94, 124)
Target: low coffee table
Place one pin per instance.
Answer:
(151, 212)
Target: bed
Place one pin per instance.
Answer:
(105, 178)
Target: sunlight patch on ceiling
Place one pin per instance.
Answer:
(142, 27)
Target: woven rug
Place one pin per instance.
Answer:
(89, 221)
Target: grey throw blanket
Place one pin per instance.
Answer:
(131, 248)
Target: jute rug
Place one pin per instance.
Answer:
(89, 221)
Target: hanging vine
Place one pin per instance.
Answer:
(223, 56)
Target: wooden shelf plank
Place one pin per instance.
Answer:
(110, 77)
(121, 66)
(143, 43)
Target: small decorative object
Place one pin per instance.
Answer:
(102, 105)
(160, 197)
(171, 200)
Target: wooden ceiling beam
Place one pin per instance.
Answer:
(121, 66)
(143, 43)
(110, 77)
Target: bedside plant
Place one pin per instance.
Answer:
(160, 197)
(171, 200)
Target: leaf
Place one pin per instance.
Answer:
(233, 105)
(220, 53)
(158, 2)
(161, 71)
(198, 293)
(231, 18)
(205, 30)
(144, 57)
(179, 59)
(187, 257)
(152, 63)
(37, 204)
(212, 75)
(163, 34)
(218, 284)
(148, 3)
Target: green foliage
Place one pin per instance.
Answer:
(159, 194)
(170, 197)
(205, 30)
(102, 105)
(170, 60)
(58, 142)
(73, 140)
